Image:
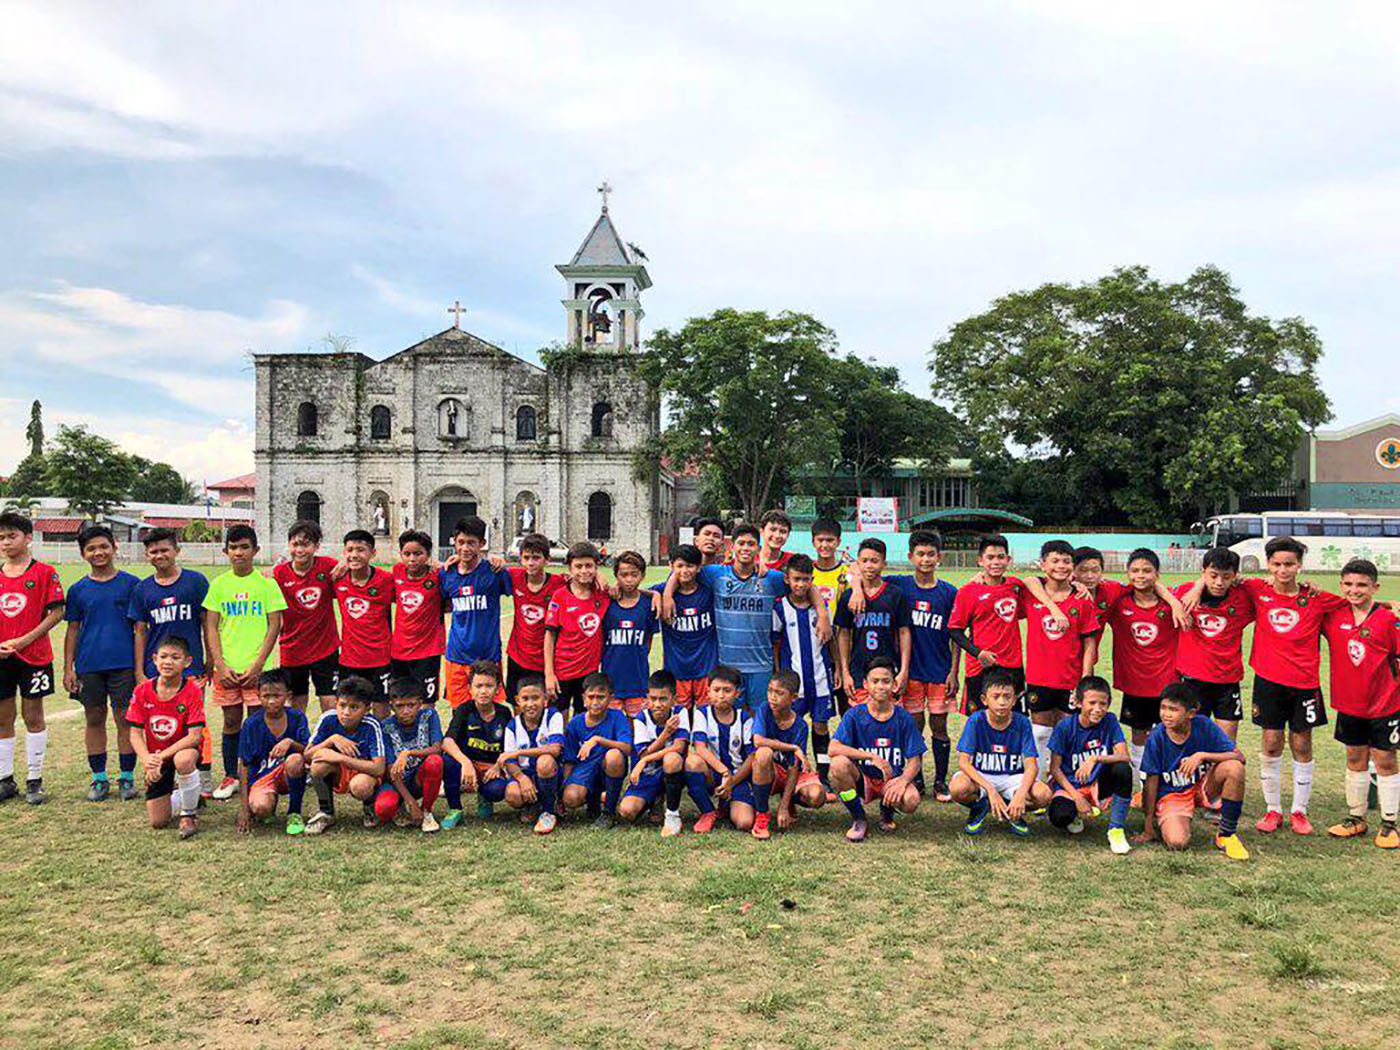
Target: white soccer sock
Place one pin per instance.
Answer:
(1389, 790)
(1042, 748)
(188, 786)
(7, 758)
(1135, 756)
(35, 744)
(1302, 785)
(1271, 781)
(1358, 784)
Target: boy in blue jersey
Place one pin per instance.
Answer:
(872, 619)
(473, 745)
(876, 754)
(688, 644)
(597, 743)
(720, 758)
(779, 758)
(534, 753)
(473, 588)
(660, 738)
(1089, 764)
(271, 745)
(933, 680)
(629, 624)
(346, 754)
(1185, 753)
(997, 760)
(98, 660)
(797, 646)
(413, 750)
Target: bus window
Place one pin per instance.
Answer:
(1365, 527)
(1391, 526)
(1281, 527)
(1339, 527)
(1253, 527)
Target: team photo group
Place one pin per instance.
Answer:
(787, 683)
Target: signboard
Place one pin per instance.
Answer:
(801, 506)
(685, 534)
(877, 514)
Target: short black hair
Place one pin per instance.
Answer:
(417, 536)
(535, 543)
(597, 680)
(925, 538)
(175, 641)
(485, 669)
(776, 517)
(1284, 545)
(1083, 554)
(745, 529)
(631, 558)
(872, 543)
(582, 552)
(1148, 555)
(404, 686)
(800, 563)
(993, 539)
(725, 673)
(360, 536)
(162, 535)
(353, 687)
(275, 677)
(1183, 694)
(239, 533)
(706, 523)
(1361, 567)
(1222, 559)
(788, 679)
(309, 529)
(88, 533)
(10, 519)
(662, 680)
(471, 525)
(688, 553)
(879, 663)
(997, 677)
(529, 681)
(1050, 547)
(1092, 683)
(826, 527)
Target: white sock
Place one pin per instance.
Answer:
(35, 744)
(1358, 785)
(1271, 780)
(1389, 789)
(1302, 785)
(7, 758)
(1042, 748)
(187, 785)
(1135, 756)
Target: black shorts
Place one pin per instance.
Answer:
(426, 671)
(515, 672)
(843, 703)
(99, 688)
(1219, 700)
(1140, 712)
(1278, 706)
(378, 677)
(321, 674)
(31, 681)
(972, 690)
(1040, 699)
(570, 695)
(1380, 734)
(162, 786)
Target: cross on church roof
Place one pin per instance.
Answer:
(457, 309)
(603, 192)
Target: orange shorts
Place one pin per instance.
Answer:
(1176, 804)
(1089, 791)
(633, 705)
(874, 788)
(342, 784)
(928, 696)
(780, 778)
(693, 691)
(236, 695)
(457, 684)
(276, 781)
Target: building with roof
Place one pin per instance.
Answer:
(454, 426)
(1354, 469)
(234, 492)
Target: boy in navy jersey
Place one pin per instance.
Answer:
(346, 754)
(997, 759)
(660, 738)
(597, 745)
(473, 588)
(689, 648)
(1089, 764)
(933, 680)
(872, 619)
(720, 757)
(1185, 752)
(629, 624)
(271, 745)
(797, 646)
(473, 745)
(413, 751)
(779, 758)
(534, 753)
(876, 754)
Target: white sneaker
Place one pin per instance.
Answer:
(1075, 826)
(430, 823)
(319, 822)
(228, 787)
(671, 825)
(1118, 841)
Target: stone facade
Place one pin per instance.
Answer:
(455, 425)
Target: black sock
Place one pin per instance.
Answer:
(820, 742)
(941, 751)
(675, 784)
(325, 794)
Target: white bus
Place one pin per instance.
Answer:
(1332, 537)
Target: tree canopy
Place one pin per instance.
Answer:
(1155, 400)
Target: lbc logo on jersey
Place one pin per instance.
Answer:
(1006, 609)
(588, 623)
(356, 607)
(531, 614)
(163, 726)
(1051, 628)
(409, 601)
(309, 597)
(1210, 625)
(1356, 649)
(12, 604)
(1284, 620)
(1144, 633)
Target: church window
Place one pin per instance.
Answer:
(602, 419)
(309, 507)
(306, 419)
(379, 423)
(525, 423)
(600, 516)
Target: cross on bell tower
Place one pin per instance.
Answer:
(603, 285)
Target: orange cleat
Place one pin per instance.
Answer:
(1299, 823)
(1349, 828)
(1269, 822)
(1388, 837)
(705, 823)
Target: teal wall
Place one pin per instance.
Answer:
(1364, 496)
(1025, 546)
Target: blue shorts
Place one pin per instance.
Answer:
(822, 709)
(649, 790)
(587, 775)
(755, 691)
(742, 793)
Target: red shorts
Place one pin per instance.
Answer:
(693, 691)
(236, 695)
(276, 781)
(633, 705)
(874, 788)
(457, 684)
(780, 778)
(928, 696)
(1176, 804)
(342, 784)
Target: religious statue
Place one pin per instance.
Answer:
(527, 518)
(381, 515)
(452, 418)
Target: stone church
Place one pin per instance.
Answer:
(455, 425)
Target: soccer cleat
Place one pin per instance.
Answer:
(295, 825)
(605, 822)
(34, 792)
(857, 831)
(189, 826)
(8, 790)
(228, 787)
(1349, 828)
(319, 823)
(705, 823)
(1019, 827)
(1232, 847)
(430, 823)
(546, 823)
(1299, 823)
(1269, 822)
(941, 792)
(370, 818)
(1388, 837)
(1075, 826)
(452, 819)
(126, 788)
(1118, 841)
(760, 826)
(99, 790)
(976, 817)
(483, 807)
(671, 825)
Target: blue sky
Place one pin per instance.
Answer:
(184, 183)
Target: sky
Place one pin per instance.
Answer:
(184, 184)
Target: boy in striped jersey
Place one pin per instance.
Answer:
(660, 736)
(346, 754)
(720, 758)
(533, 747)
(797, 646)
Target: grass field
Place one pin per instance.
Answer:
(114, 936)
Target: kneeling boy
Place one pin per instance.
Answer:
(413, 749)
(997, 759)
(597, 744)
(720, 758)
(346, 756)
(877, 753)
(475, 741)
(1089, 762)
(166, 716)
(660, 737)
(534, 745)
(779, 757)
(271, 754)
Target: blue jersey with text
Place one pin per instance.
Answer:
(1074, 743)
(614, 726)
(627, 635)
(256, 741)
(368, 736)
(744, 616)
(765, 723)
(171, 609)
(644, 734)
(1162, 754)
(1000, 752)
(896, 739)
(929, 608)
(732, 741)
(800, 650)
(875, 629)
(103, 608)
(425, 731)
(475, 599)
(689, 647)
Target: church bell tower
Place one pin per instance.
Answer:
(603, 285)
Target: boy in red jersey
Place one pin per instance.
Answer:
(309, 643)
(533, 588)
(419, 638)
(31, 604)
(984, 621)
(1210, 652)
(365, 595)
(774, 529)
(1363, 640)
(573, 641)
(166, 717)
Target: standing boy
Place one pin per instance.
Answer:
(474, 589)
(413, 752)
(166, 720)
(1210, 652)
(271, 755)
(533, 754)
(309, 643)
(720, 758)
(997, 760)
(365, 595)
(877, 625)
(709, 538)
(984, 622)
(688, 644)
(346, 754)
(1089, 764)
(573, 641)
(597, 744)
(473, 745)
(418, 639)
(779, 758)
(31, 601)
(774, 529)
(876, 753)
(98, 658)
(532, 588)
(797, 646)
(629, 625)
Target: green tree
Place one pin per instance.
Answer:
(158, 483)
(88, 470)
(28, 478)
(1162, 398)
(34, 432)
(751, 397)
